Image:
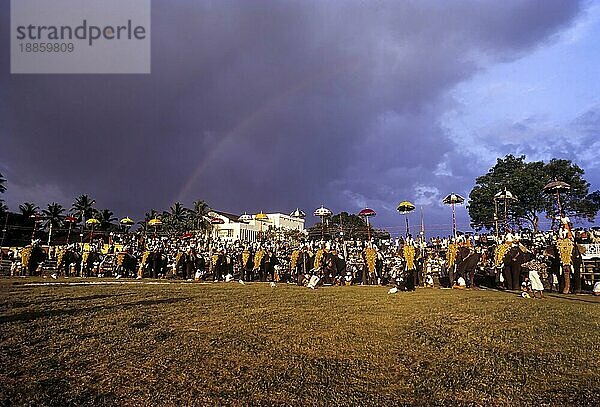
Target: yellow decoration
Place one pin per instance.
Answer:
(409, 256)
(178, 257)
(245, 257)
(500, 252)
(214, 259)
(451, 254)
(120, 258)
(294, 259)
(26, 255)
(565, 249)
(145, 257)
(258, 258)
(318, 258)
(371, 257)
(59, 256)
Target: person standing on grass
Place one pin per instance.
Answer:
(191, 260)
(537, 270)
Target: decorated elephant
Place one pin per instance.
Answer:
(32, 257)
(510, 256)
(126, 264)
(467, 261)
(570, 261)
(68, 261)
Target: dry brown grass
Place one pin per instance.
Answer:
(228, 344)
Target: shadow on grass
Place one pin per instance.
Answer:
(31, 316)
(21, 304)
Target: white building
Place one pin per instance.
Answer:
(233, 229)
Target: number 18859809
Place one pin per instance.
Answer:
(47, 46)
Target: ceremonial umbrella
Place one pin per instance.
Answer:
(154, 222)
(245, 218)
(127, 221)
(556, 187)
(298, 214)
(322, 213)
(36, 218)
(453, 199)
(93, 222)
(367, 213)
(261, 217)
(405, 207)
(70, 220)
(506, 196)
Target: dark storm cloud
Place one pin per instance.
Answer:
(266, 105)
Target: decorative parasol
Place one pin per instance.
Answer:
(322, 213)
(93, 222)
(245, 218)
(261, 217)
(217, 221)
(367, 213)
(154, 222)
(556, 187)
(453, 199)
(404, 208)
(127, 221)
(505, 196)
(36, 218)
(298, 214)
(70, 220)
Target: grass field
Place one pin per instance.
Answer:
(230, 344)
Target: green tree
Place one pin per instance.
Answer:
(54, 215)
(176, 219)
(198, 216)
(353, 226)
(83, 207)
(2, 183)
(147, 217)
(106, 218)
(526, 180)
(28, 209)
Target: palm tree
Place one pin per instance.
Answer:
(176, 219)
(199, 215)
(106, 218)
(29, 212)
(179, 213)
(28, 209)
(83, 207)
(53, 214)
(2, 183)
(147, 217)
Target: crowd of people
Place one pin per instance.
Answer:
(527, 261)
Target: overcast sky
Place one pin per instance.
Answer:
(272, 105)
